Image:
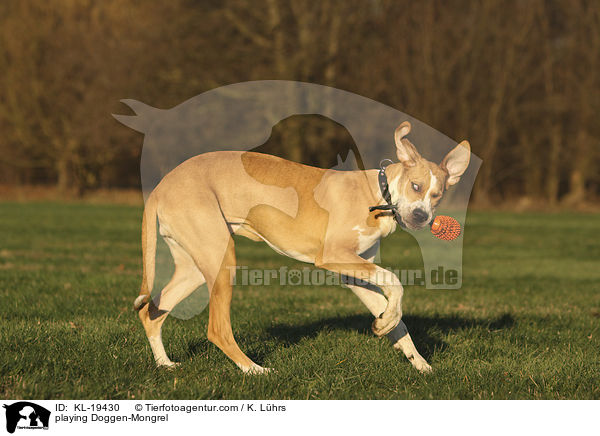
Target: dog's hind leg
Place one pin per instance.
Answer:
(206, 237)
(219, 321)
(186, 279)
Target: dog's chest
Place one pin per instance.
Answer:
(365, 240)
(386, 225)
(368, 236)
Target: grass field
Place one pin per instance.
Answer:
(524, 325)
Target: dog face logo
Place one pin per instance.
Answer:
(26, 415)
(423, 183)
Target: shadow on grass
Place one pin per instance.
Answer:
(424, 330)
(418, 327)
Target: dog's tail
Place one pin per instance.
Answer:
(148, 252)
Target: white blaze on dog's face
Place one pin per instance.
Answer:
(419, 186)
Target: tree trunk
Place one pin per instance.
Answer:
(579, 172)
(553, 179)
(64, 175)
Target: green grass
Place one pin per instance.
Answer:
(524, 325)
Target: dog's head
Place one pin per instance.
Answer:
(416, 184)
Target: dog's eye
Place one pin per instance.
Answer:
(416, 187)
(435, 195)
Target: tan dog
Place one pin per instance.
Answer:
(310, 214)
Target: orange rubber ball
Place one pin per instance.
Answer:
(445, 228)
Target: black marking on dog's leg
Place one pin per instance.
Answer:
(398, 333)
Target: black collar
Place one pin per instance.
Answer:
(385, 193)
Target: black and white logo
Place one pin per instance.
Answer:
(26, 415)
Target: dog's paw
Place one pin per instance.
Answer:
(383, 325)
(257, 370)
(421, 365)
(167, 364)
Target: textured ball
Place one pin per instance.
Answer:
(445, 228)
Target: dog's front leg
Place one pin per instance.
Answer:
(392, 288)
(399, 336)
(360, 270)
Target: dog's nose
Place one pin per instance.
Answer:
(420, 215)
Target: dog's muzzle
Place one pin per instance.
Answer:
(419, 216)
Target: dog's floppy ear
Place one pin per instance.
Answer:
(456, 162)
(406, 152)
